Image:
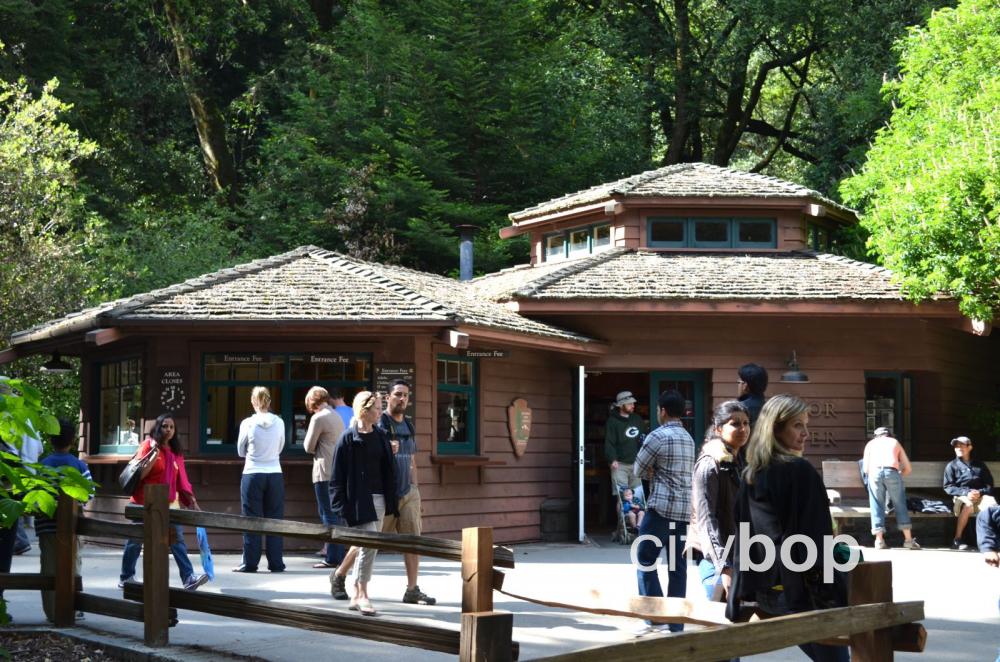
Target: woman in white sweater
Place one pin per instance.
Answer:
(262, 488)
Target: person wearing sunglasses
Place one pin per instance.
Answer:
(363, 490)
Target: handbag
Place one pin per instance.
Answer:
(132, 473)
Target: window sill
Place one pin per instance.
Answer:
(464, 461)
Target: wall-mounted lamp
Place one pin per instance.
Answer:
(56, 366)
(794, 374)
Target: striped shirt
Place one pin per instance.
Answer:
(669, 452)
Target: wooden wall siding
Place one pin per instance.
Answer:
(792, 232)
(629, 232)
(509, 496)
(949, 367)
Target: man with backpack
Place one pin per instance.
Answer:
(399, 428)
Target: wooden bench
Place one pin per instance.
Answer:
(925, 477)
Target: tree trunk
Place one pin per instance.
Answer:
(208, 120)
(683, 94)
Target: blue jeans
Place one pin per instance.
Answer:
(263, 495)
(671, 535)
(334, 551)
(886, 487)
(180, 551)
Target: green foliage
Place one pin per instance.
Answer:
(30, 487)
(930, 187)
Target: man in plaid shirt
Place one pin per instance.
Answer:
(669, 454)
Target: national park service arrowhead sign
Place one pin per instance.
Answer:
(519, 425)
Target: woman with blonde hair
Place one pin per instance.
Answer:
(783, 496)
(262, 488)
(363, 489)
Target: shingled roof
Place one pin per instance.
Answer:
(684, 180)
(307, 284)
(622, 274)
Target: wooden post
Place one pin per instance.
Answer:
(487, 637)
(477, 569)
(155, 571)
(64, 612)
(871, 582)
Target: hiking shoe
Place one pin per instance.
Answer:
(414, 596)
(194, 581)
(338, 587)
(881, 544)
(959, 545)
(121, 584)
(911, 544)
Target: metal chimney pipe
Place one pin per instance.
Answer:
(466, 234)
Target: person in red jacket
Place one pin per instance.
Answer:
(167, 468)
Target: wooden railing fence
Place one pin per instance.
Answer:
(873, 625)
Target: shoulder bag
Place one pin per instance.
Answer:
(130, 476)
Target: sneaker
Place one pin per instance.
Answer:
(654, 628)
(22, 550)
(414, 596)
(194, 581)
(121, 584)
(911, 544)
(959, 545)
(881, 544)
(338, 587)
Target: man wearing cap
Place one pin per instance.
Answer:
(622, 437)
(970, 483)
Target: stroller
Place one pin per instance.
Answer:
(629, 516)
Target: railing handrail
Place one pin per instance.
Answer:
(441, 548)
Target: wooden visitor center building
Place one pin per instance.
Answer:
(670, 278)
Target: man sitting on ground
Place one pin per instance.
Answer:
(970, 483)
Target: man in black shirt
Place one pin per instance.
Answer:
(970, 483)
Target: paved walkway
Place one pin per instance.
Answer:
(960, 592)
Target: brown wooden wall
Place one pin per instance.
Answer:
(504, 496)
(950, 367)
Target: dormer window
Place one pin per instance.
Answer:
(711, 232)
(577, 242)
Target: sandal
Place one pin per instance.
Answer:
(363, 606)
(324, 564)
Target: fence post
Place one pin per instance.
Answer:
(486, 635)
(871, 582)
(64, 606)
(155, 585)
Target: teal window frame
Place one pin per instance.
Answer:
(287, 386)
(567, 252)
(471, 393)
(690, 225)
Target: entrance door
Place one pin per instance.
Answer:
(692, 386)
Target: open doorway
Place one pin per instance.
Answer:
(600, 515)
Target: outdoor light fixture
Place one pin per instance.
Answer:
(56, 366)
(794, 374)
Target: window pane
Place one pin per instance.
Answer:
(442, 371)
(453, 376)
(464, 373)
(755, 232)
(578, 241)
(711, 231)
(554, 245)
(602, 236)
(226, 407)
(119, 404)
(452, 417)
(667, 231)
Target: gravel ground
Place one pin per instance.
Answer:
(48, 647)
